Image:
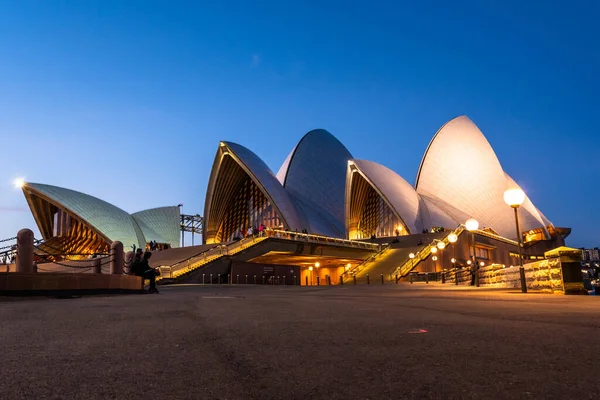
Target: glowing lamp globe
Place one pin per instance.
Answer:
(317, 264)
(453, 260)
(514, 197)
(348, 266)
(472, 224)
(469, 262)
(411, 255)
(441, 245)
(481, 264)
(452, 238)
(434, 258)
(19, 183)
(433, 249)
(310, 268)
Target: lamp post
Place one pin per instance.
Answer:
(472, 225)
(452, 238)
(311, 275)
(514, 197)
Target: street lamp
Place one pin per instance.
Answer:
(472, 225)
(19, 183)
(453, 238)
(411, 255)
(433, 249)
(514, 197)
(311, 275)
(441, 245)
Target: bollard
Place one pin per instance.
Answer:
(284, 279)
(255, 279)
(318, 281)
(382, 279)
(328, 280)
(427, 277)
(203, 279)
(211, 280)
(396, 279)
(354, 276)
(116, 262)
(456, 276)
(368, 280)
(263, 279)
(24, 251)
(97, 266)
(237, 279)
(443, 276)
(294, 280)
(341, 280)
(229, 280)
(306, 281)
(246, 279)
(410, 277)
(219, 279)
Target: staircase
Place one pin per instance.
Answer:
(422, 253)
(180, 269)
(394, 260)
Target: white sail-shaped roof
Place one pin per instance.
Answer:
(106, 219)
(261, 175)
(461, 171)
(315, 174)
(396, 192)
(161, 224)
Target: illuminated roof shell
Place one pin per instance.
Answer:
(261, 175)
(109, 221)
(161, 224)
(315, 174)
(461, 174)
(400, 196)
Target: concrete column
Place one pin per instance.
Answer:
(25, 251)
(116, 262)
(97, 265)
(129, 257)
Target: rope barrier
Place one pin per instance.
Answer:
(8, 240)
(71, 254)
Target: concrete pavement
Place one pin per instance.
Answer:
(275, 342)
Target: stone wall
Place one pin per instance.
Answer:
(560, 272)
(544, 275)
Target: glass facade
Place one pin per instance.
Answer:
(249, 207)
(370, 214)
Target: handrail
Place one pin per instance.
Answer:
(232, 248)
(422, 254)
(283, 234)
(360, 265)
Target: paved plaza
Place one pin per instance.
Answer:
(276, 342)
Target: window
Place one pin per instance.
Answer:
(481, 252)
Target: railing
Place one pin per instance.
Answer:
(362, 264)
(195, 262)
(309, 237)
(422, 254)
(183, 267)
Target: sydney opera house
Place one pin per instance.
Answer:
(320, 188)
(323, 189)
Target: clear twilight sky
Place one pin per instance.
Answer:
(127, 100)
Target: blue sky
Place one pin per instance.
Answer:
(127, 100)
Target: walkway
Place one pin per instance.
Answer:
(256, 342)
